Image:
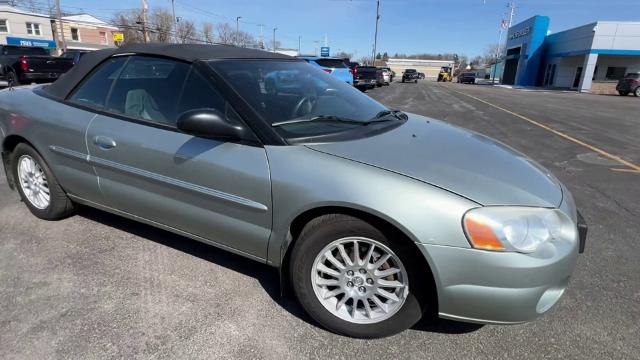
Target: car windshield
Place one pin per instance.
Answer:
(298, 99)
(410, 71)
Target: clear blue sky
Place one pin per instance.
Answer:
(406, 26)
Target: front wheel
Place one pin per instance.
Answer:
(637, 92)
(37, 186)
(353, 280)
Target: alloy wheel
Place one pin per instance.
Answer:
(33, 182)
(360, 280)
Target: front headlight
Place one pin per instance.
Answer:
(522, 229)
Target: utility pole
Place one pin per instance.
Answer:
(261, 35)
(175, 21)
(63, 41)
(238, 30)
(512, 13)
(299, 38)
(145, 34)
(274, 39)
(375, 37)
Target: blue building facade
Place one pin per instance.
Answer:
(600, 52)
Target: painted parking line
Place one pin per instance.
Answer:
(633, 168)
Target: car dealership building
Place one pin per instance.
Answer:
(592, 56)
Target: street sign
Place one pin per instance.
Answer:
(324, 51)
(118, 37)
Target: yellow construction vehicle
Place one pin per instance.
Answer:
(445, 74)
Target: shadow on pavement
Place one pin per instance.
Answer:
(267, 276)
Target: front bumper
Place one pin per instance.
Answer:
(502, 287)
(499, 288)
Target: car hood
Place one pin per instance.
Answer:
(461, 161)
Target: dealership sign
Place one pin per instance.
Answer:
(521, 33)
(43, 43)
(324, 51)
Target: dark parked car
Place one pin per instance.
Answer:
(23, 65)
(410, 75)
(76, 55)
(630, 84)
(467, 78)
(366, 77)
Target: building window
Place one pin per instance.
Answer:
(4, 26)
(33, 29)
(615, 73)
(103, 38)
(75, 35)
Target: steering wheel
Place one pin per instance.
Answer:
(309, 100)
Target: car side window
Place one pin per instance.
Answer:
(199, 94)
(94, 89)
(147, 88)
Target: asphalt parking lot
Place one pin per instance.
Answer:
(99, 286)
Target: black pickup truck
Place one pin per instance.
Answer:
(410, 75)
(366, 77)
(24, 65)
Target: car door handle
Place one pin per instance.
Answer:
(104, 143)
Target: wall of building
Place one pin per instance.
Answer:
(88, 35)
(17, 25)
(611, 35)
(430, 68)
(529, 36)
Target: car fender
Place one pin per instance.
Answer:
(304, 179)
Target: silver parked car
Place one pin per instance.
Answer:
(375, 217)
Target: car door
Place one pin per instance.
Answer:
(207, 188)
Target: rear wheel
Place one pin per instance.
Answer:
(12, 79)
(353, 280)
(37, 186)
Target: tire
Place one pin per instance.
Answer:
(402, 80)
(320, 234)
(12, 79)
(623, 93)
(636, 92)
(415, 81)
(59, 205)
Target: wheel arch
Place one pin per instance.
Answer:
(9, 143)
(386, 226)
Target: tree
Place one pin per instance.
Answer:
(127, 22)
(385, 56)
(207, 33)
(244, 38)
(492, 53)
(378, 56)
(343, 55)
(161, 23)
(186, 32)
(225, 33)
(478, 60)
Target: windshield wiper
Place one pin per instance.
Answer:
(322, 118)
(395, 113)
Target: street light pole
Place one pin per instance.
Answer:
(274, 39)
(299, 38)
(175, 21)
(238, 29)
(375, 37)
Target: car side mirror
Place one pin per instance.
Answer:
(209, 123)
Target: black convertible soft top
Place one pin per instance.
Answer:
(187, 52)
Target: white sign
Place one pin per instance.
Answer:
(521, 33)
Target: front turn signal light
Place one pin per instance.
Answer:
(481, 234)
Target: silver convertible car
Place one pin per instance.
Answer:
(375, 218)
